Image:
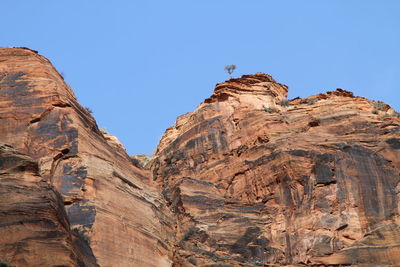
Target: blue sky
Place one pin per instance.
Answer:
(140, 64)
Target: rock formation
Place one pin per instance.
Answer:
(34, 226)
(110, 203)
(247, 179)
(256, 179)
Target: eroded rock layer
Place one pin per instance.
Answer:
(247, 179)
(255, 179)
(34, 227)
(108, 200)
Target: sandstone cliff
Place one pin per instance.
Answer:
(255, 179)
(109, 202)
(247, 179)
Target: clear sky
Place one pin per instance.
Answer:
(140, 64)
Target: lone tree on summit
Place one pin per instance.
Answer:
(229, 69)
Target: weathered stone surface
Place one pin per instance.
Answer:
(34, 228)
(108, 200)
(247, 179)
(256, 180)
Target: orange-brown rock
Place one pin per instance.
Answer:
(34, 227)
(108, 201)
(255, 179)
(247, 179)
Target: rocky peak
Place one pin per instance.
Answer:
(300, 181)
(247, 179)
(248, 94)
(260, 85)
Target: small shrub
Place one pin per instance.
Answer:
(144, 158)
(284, 103)
(311, 101)
(229, 69)
(375, 111)
(379, 105)
(268, 109)
(89, 110)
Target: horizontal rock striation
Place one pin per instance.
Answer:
(255, 179)
(247, 179)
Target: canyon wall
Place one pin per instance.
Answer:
(110, 203)
(253, 178)
(247, 179)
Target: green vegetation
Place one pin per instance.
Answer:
(379, 105)
(144, 159)
(284, 103)
(311, 101)
(89, 110)
(268, 109)
(229, 69)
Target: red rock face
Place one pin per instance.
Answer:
(108, 200)
(247, 179)
(34, 226)
(256, 180)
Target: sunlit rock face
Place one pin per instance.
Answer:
(34, 227)
(254, 179)
(247, 179)
(107, 200)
